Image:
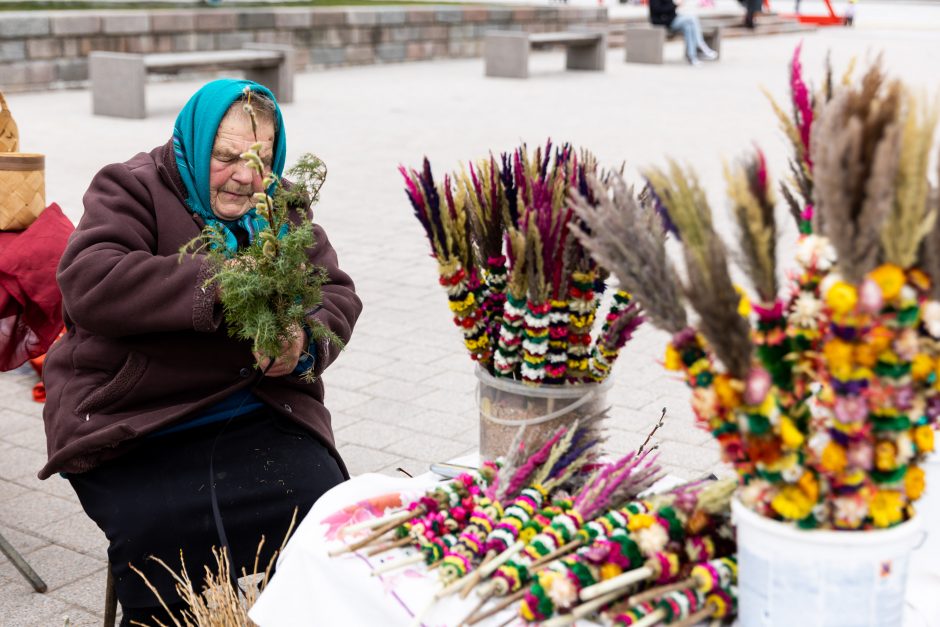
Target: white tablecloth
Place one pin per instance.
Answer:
(311, 588)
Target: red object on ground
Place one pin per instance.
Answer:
(819, 20)
(30, 301)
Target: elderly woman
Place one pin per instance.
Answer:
(175, 436)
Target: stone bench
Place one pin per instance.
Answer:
(644, 44)
(507, 52)
(118, 79)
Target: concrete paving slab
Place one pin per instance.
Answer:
(33, 510)
(22, 607)
(87, 593)
(78, 533)
(25, 542)
(59, 566)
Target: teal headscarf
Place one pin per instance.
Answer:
(193, 139)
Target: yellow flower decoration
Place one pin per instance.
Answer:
(833, 458)
(640, 521)
(527, 534)
(791, 503)
(885, 508)
(838, 356)
(609, 571)
(698, 367)
(791, 436)
(880, 338)
(865, 355)
(914, 482)
(726, 390)
(809, 486)
(526, 612)
(921, 367)
(838, 352)
(923, 438)
(890, 278)
(673, 361)
(919, 279)
(841, 297)
(885, 453)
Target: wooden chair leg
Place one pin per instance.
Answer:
(110, 601)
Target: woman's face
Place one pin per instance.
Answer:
(231, 182)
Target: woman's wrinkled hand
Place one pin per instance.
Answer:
(291, 350)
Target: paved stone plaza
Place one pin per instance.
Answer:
(403, 394)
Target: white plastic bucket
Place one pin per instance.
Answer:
(926, 558)
(788, 577)
(508, 406)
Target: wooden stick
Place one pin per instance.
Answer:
(376, 522)
(560, 551)
(616, 583)
(382, 548)
(396, 564)
(582, 610)
(489, 592)
(659, 591)
(695, 617)
(477, 575)
(651, 619)
(485, 570)
(506, 602)
(375, 535)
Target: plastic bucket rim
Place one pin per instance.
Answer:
(828, 537)
(540, 391)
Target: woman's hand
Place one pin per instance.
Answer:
(291, 350)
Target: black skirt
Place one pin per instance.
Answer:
(155, 500)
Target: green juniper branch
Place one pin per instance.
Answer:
(267, 288)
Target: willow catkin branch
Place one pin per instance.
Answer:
(631, 243)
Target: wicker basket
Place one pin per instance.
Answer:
(22, 189)
(9, 136)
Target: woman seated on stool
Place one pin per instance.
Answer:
(147, 391)
(663, 13)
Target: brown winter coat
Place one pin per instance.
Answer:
(145, 344)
